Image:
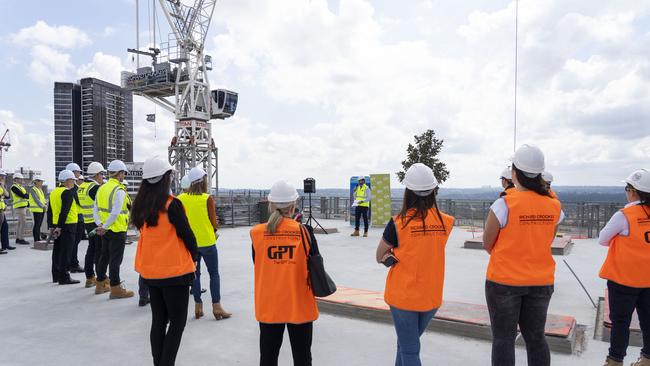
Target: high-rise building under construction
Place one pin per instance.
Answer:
(93, 121)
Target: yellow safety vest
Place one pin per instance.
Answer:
(19, 202)
(104, 198)
(360, 194)
(86, 203)
(2, 199)
(196, 208)
(33, 206)
(57, 204)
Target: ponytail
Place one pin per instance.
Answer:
(644, 197)
(277, 214)
(535, 184)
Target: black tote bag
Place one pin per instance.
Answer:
(321, 283)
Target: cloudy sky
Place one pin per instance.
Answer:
(334, 88)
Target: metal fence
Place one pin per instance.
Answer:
(245, 208)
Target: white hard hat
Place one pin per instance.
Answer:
(529, 159)
(2, 173)
(18, 176)
(640, 180)
(73, 167)
(80, 177)
(117, 166)
(507, 173)
(65, 175)
(154, 168)
(94, 168)
(37, 177)
(185, 182)
(196, 173)
(420, 178)
(548, 177)
(283, 194)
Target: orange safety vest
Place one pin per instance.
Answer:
(522, 255)
(161, 253)
(282, 292)
(415, 282)
(628, 256)
(553, 194)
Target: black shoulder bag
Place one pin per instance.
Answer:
(321, 283)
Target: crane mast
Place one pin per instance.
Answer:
(179, 72)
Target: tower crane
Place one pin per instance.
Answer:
(177, 81)
(5, 142)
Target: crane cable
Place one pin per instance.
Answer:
(516, 70)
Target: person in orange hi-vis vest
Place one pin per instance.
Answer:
(165, 257)
(413, 246)
(518, 235)
(627, 234)
(282, 293)
(548, 179)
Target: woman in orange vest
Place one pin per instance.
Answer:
(413, 246)
(282, 293)
(518, 234)
(627, 234)
(165, 258)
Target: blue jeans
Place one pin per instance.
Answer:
(409, 326)
(211, 258)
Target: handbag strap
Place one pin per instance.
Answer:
(302, 237)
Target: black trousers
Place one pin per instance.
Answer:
(4, 233)
(525, 306)
(74, 257)
(300, 336)
(92, 252)
(622, 302)
(61, 254)
(38, 221)
(112, 253)
(168, 306)
(358, 213)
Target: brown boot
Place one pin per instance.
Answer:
(355, 233)
(610, 362)
(102, 287)
(365, 234)
(198, 310)
(643, 361)
(119, 292)
(91, 282)
(219, 313)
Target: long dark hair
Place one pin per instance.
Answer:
(535, 184)
(150, 201)
(421, 204)
(510, 185)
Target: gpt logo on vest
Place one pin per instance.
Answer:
(281, 252)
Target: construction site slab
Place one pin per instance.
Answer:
(560, 246)
(459, 318)
(636, 337)
(43, 245)
(318, 230)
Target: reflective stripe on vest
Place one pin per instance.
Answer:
(282, 293)
(415, 283)
(57, 204)
(33, 206)
(361, 194)
(104, 198)
(521, 256)
(19, 202)
(196, 208)
(628, 256)
(2, 199)
(161, 253)
(86, 203)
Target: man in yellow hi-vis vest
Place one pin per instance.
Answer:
(111, 214)
(4, 227)
(62, 220)
(362, 197)
(37, 206)
(20, 201)
(87, 192)
(75, 267)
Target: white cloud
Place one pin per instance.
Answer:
(42, 33)
(103, 66)
(49, 65)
